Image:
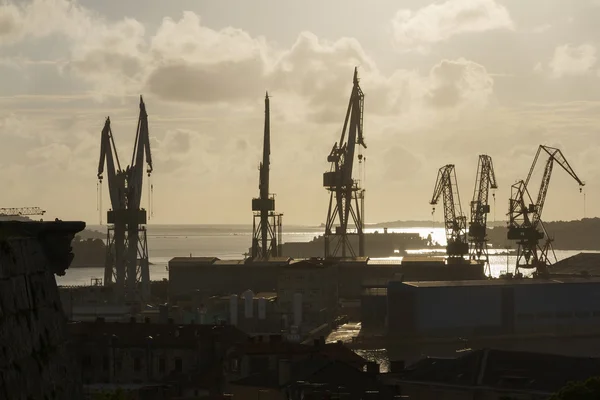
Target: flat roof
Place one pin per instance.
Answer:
(501, 282)
(266, 295)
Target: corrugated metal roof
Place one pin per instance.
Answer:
(193, 260)
(385, 261)
(227, 263)
(502, 282)
(423, 259)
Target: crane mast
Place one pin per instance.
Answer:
(525, 216)
(345, 192)
(484, 181)
(267, 224)
(127, 265)
(454, 221)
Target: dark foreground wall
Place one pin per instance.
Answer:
(33, 358)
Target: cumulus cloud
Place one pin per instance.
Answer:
(438, 22)
(185, 61)
(569, 60)
(460, 83)
(204, 87)
(40, 18)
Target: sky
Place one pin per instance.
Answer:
(444, 82)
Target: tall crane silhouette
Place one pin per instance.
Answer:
(525, 217)
(455, 222)
(345, 191)
(267, 224)
(127, 264)
(484, 181)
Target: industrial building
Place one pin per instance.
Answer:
(493, 307)
(208, 276)
(307, 292)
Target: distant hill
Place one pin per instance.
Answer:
(91, 234)
(412, 224)
(568, 235)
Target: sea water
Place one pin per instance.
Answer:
(233, 242)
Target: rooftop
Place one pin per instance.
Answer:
(582, 263)
(135, 334)
(502, 282)
(331, 351)
(501, 369)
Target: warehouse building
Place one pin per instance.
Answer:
(493, 307)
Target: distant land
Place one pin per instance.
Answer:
(412, 224)
(583, 234)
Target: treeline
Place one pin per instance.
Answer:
(568, 235)
(88, 252)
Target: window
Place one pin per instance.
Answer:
(137, 364)
(235, 365)
(161, 365)
(178, 365)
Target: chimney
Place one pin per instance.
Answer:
(397, 366)
(285, 373)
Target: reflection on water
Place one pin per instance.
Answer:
(346, 332)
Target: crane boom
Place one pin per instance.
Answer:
(484, 181)
(525, 216)
(454, 221)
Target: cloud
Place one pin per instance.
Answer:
(569, 60)
(439, 22)
(41, 18)
(541, 28)
(460, 83)
(185, 61)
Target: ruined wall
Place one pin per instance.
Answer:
(34, 363)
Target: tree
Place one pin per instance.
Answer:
(585, 390)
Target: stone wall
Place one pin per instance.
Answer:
(34, 363)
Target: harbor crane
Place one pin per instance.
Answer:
(455, 222)
(127, 264)
(266, 226)
(525, 217)
(346, 200)
(484, 181)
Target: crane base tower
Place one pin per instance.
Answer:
(132, 280)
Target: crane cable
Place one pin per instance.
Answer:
(99, 200)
